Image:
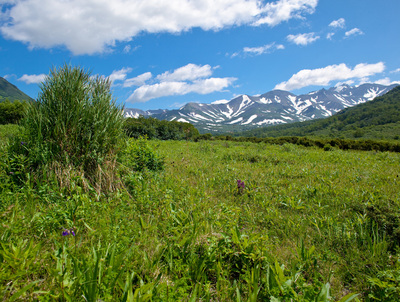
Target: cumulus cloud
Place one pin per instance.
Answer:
(204, 86)
(302, 39)
(32, 79)
(339, 23)
(138, 80)
(263, 49)
(386, 81)
(119, 75)
(354, 32)
(189, 72)
(324, 76)
(284, 10)
(93, 26)
(395, 71)
(180, 82)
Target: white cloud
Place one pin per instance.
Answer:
(148, 92)
(93, 26)
(364, 80)
(190, 78)
(8, 76)
(339, 23)
(263, 49)
(324, 76)
(302, 39)
(127, 49)
(204, 86)
(139, 80)
(329, 36)
(354, 32)
(189, 72)
(119, 75)
(386, 81)
(395, 71)
(32, 79)
(284, 10)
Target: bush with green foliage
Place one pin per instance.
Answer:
(11, 112)
(139, 156)
(75, 126)
(344, 144)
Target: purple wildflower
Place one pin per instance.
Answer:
(68, 232)
(240, 184)
(23, 143)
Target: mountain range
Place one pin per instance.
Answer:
(272, 108)
(378, 119)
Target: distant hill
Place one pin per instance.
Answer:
(11, 92)
(376, 119)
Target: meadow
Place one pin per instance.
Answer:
(89, 214)
(217, 221)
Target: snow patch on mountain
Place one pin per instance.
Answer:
(246, 101)
(271, 122)
(265, 101)
(236, 121)
(220, 102)
(250, 119)
(372, 93)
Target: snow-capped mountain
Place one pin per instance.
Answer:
(272, 108)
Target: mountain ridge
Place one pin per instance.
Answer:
(275, 107)
(377, 119)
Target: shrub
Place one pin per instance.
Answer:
(74, 125)
(139, 156)
(11, 112)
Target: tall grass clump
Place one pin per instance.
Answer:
(74, 127)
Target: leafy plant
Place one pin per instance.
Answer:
(139, 156)
(74, 125)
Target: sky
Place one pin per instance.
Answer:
(163, 54)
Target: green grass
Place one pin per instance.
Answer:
(7, 131)
(310, 225)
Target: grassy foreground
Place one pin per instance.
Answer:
(308, 225)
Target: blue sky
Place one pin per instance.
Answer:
(163, 54)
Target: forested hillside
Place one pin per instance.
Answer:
(377, 119)
(11, 92)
